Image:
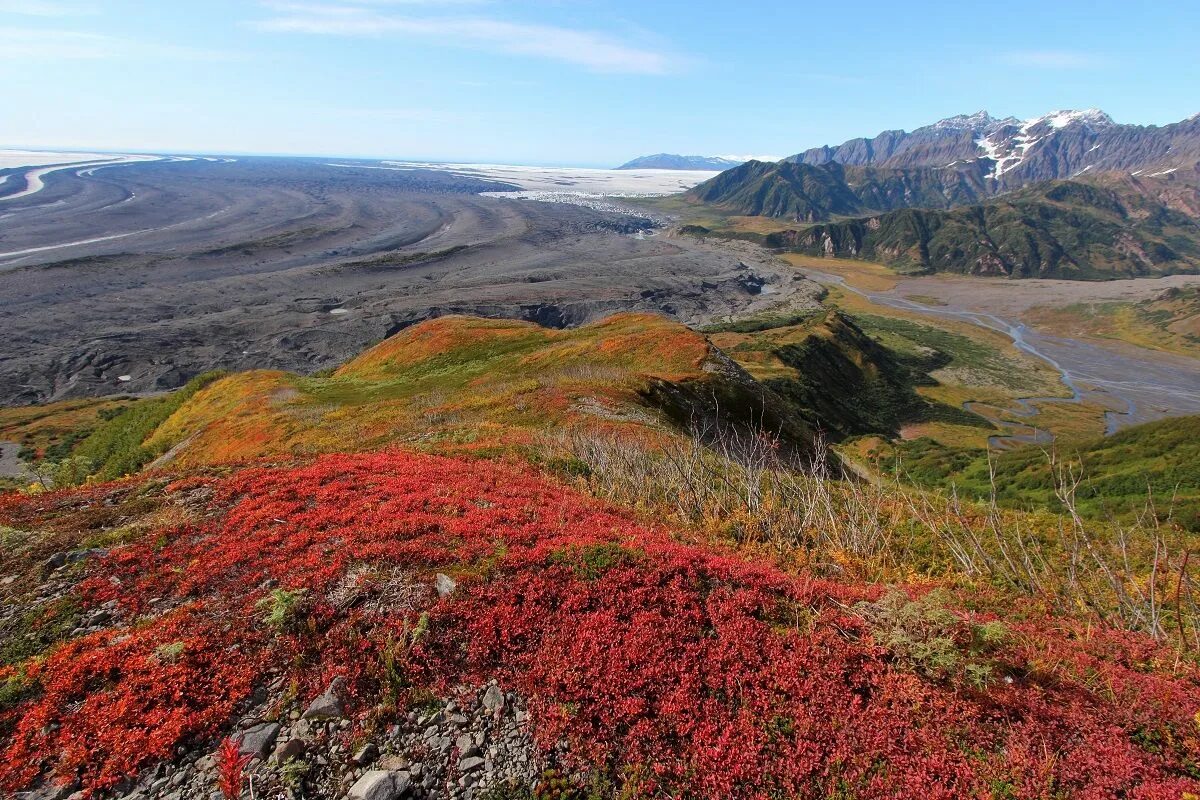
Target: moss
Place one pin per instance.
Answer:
(38, 629)
(593, 561)
(282, 608)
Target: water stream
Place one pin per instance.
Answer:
(1132, 387)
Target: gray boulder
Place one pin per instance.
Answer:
(259, 740)
(378, 784)
(329, 704)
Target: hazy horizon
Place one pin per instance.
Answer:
(563, 83)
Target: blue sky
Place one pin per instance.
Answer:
(581, 82)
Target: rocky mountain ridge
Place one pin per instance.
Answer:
(1009, 153)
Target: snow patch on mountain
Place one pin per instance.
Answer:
(1009, 150)
(1058, 120)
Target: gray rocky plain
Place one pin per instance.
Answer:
(138, 277)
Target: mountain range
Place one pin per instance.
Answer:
(1009, 153)
(672, 161)
(1069, 194)
(1057, 229)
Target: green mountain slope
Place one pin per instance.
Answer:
(1119, 473)
(1063, 229)
(807, 193)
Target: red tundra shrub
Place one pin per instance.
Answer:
(112, 702)
(678, 671)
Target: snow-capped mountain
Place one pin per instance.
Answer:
(1008, 153)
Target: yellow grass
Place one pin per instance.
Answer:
(40, 426)
(860, 274)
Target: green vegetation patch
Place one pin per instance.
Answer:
(914, 342)
(855, 384)
(35, 631)
(1119, 475)
(590, 562)
(117, 446)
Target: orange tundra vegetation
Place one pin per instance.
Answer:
(454, 383)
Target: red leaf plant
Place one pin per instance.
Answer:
(231, 767)
(676, 670)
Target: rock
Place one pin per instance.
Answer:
(366, 755)
(56, 561)
(329, 704)
(470, 764)
(259, 740)
(466, 746)
(493, 698)
(444, 584)
(380, 785)
(395, 763)
(292, 748)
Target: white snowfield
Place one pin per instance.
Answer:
(574, 180)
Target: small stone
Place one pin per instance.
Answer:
(466, 745)
(292, 748)
(395, 763)
(444, 584)
(493, 698)
(259, 740)
(366, 755)
(471, 764)
(329, 704)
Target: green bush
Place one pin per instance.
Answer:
(116, 447)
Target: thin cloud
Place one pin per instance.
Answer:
(595, 51)
(43, 8)
(38, 44)
(1053, 59)
(428, 115)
